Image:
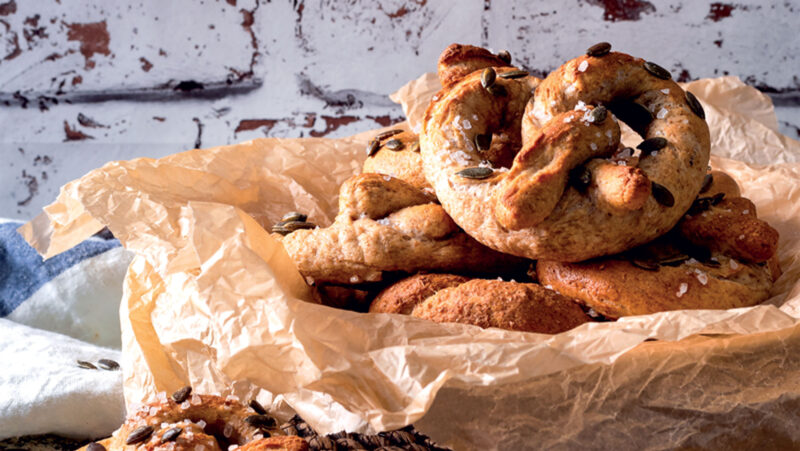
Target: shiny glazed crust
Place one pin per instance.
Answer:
(531, 209)
(404, 164)
(385, 224)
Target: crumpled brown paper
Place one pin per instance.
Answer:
(212, 300)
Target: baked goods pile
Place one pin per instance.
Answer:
(186, 421)
(519, 207)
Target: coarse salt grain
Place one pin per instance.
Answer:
(354, 279)
(741, 237)
(383, 221)
(466, 124)
(654, 153)
(662, 113)
(202, 424)
(580, 106)
(233, 398)
(185, 405)
(199, 447)
(583, 66)
(387, 177)
(196, 401)
(665, 90)
(732, 263)
(744, 212)
(593, 146)
(568, 119)
(702, 277)
(682, 289)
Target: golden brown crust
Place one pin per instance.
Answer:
(383, 225)
(404, 163)
(722, 182)
(516, 306)
(403, 296)
(458, 61)
(504, 211)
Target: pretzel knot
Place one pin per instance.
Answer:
(544, 175)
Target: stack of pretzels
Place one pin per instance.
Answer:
(518, 207)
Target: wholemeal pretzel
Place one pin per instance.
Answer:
(386, 225)
(570, 192)
(719, 256)
(186, 421)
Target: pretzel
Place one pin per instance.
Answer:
(187, 421)
(396, 153)
(385, 225)
(448, 298)
(570, 193)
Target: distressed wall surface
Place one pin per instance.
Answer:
(83, 82)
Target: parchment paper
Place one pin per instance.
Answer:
(212, 300)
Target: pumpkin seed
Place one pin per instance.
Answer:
(394, 144)
(505, 56)
(171, 435)
(599, 49)
(650, 145)
(280, 230)
(657, 70)
(580, 178)
(635, 115)
(140, 434)
(514, 74)
(707, 181)
(476, 173)
(599, 114)
(181, 395)
(483, 141)
(257, 407)
(488, 77)
(695, 105)
(662, 195)
(415, 147)
(294, 216)
(94, 446)
(260, 421)
(373, 147)
(717, 198)
(388, 133)
(86, 365)
(108, 364)
(291, 226)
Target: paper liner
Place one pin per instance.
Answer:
(212, 300)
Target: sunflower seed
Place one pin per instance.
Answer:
(86, 365)
(171, 435)
(599, 49)
(497, 90)
(181, 395)
(260, 421)
(476, 173)
(657, 70)
(662, 195)
(505, 56)
(394, 144)
(483, 141)
(108, 364)
(645, 264)
(707, 181)
(652, 144)
(414, 147)
(94, 446)
(387, 133)
(580, 178)
(257, 407)
(514, 74)
(599, 114)
(140, 434)
(291, 226)
(488, 77)
(695, 105)
(294, 216)
(373, 147)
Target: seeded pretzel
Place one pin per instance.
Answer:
(719, 256)
(448, 298)
(191, 422)
(384, 224)
(570, 193)
(396, 153)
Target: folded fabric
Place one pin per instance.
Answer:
(56, 313)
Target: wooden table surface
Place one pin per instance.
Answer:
(83, 82)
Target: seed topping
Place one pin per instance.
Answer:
(514, 74)
(394, 144)
(181, 395)
(599, 49)
(108, 364)
(488, 77)
(171, 435)
(476, 173)
(505, 56)
(650, 145)
(662, 195)
(483, 141)
(139, 435)
(695, 105)
(657, 71)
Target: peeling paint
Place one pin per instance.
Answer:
(146, 65)
(33, 188)
(332, 123)
(719, 11)
(93, 38)
(8, 8)
(86, 121)
(74, 134)
(621, 10)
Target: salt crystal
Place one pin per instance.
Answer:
(741, 237)
(580, 106)
(202, 424)
(354, 279)
(185, 405)
(702, 277)
(662, 113)
(685, 121)
(608, 134)
(549, 287)
(196, 401)
(583, 66)
(257, 437)
(499, 279)
(153, 411)
(552, 103)
(570, 90)
(682, 289)
(744, 212)
(383, 221)
(622, 163)
(164, 425)
(228, 430)
(466, 124)
(568, 119)
(199, 447)
(733, 264)
(665, 90)
(692, 261)
(162, 396)
(232, 398)
(475, 117)
(387, 177)
(436, 97)
(654, 153)
(593, 146)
